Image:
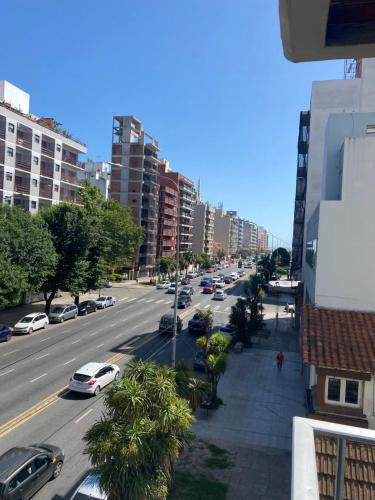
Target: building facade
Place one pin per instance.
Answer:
(99, 175)
(168, 212)
(135, 182)
(250, 236)
(262, 238)
(234, 232)
(39, 161)
(203, 228)
(222, 231)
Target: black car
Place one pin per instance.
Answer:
(198, 362)
(5, 333)
(227, 280)
(166, 323)
(86, 307)
(24, 470)
(183, 301)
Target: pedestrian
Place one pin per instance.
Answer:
(279, 360)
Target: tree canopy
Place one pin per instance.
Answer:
(283, 255)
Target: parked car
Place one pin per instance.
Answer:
(216, 279)
(209, 288)
(228, 280)
(199, 325)
(163, 284)
(89, 489)
(105, 301)
(31, 322)
(172, 288)
(108, 284)
(61, 313)
(241, 273)
(219, 295)
(185, 281)
(200, 273)
(183, 301)
(86, 307)
(166, 323)
(210, 270)
(289, 308)
(25, 469)
(234, 276)
(192, 275)
(187, 290)
(198, 361)
(5, 333)
(92, 377)
(225, 329)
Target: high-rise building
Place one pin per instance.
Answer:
(99, 175)
(222, 231)
(135, 183)
(234, 232)
(203, 228)
(249, 236)
(262, 238)
(168, 212)
(39, 161)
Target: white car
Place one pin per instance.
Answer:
(219, 295)
(89, 489)
(220, 284)
(172, 288)
(163, 284)
(234, 276)
(92, 377)
(105, 301)
(31, 322)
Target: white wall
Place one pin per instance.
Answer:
(14, 96)
(368, 402)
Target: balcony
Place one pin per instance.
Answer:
(45, 189)
(71, 178)
(46, 169)
(1, 177)
(23, 161)
(3, 124)
(302, 172)
(24, 136)
(48, 148)
(2, 152)
(67, 194)
(21, 202)
(168, 232)
(71, 158)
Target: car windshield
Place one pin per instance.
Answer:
(84, 303)
(27, 319)
(57, 310)
(81, 377)
(100, 299)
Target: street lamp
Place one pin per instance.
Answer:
(174, 336)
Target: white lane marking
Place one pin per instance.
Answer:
(100, 345)
(10, 352)
(227, 309)
(159, 301)
(70, 361)
(112, 324)
(68, 331)
(120, 300)
(76, 341)
(117, 336)
(206, 306)
(141, 300)
(40, 357)
(37, 378)
(45, 339)
(216, 308)
(150, 300)
(168, 301)
(133, 340)
(94, 333)
(134, 298)
(6, 373)
(83, 416)
(197, 305)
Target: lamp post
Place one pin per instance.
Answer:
(174, 337)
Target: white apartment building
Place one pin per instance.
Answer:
(338, 264)
(249, 236)
(99, 175)
(203, 228)
(39, 161)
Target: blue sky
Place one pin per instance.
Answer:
(207, 77)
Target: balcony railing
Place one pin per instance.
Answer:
(2, 132)
(46, 171)
(23, 164)
(72, 161)
(70, 179)
(45, 192)
(19, 187)
(24, 141)
(48, 151)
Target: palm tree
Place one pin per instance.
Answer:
(144, 426)
(193, 389)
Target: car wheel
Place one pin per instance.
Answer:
(45, 325)
(57, 470)
(97, 390)
(62, 320)
(85, 313)
(9, 337)
(30, 331)
(75, 316)
(117, 376)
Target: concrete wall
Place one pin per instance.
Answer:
(199, 228)
(369, 403)
(14, 96)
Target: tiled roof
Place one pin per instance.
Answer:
(359, 481)
(338, 339)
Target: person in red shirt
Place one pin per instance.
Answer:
(279, 360)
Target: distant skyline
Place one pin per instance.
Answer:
(208, 80)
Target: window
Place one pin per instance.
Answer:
(33, 204)
(57, 168)
(342, 391)
(11, 128)
(37, 138)
(42, 460)
(58, 147)
(56, 188)
(35, 160)
(10, 152)
(311, 253)
(24, 474)
(35, 182)
(8, 176)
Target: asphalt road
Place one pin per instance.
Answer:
(35, 370)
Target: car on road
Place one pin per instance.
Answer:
(105, 301)
(183, 301)
(200, 273)
(187, 290)
(172, 288)
(225, 329)
(209, 288)
(199, 325)
(89, 489)
(166, 323)
(108, 284)
(5, 333)
(163, 284)
(234, 276)
(241, 273)
(289, 308)
(92, 377)
(25, 469)
(192, 275)
(228, 280)
(210, 270)
(86, 307)
(206, 281)
(219, 295)
(220, 284)
(185, 281)
(198, 361)
(31, 322)
(61, 313)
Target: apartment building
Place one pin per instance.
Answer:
(234, 232)
(262, 238)
(135, 182)
(222, 231)
(186, 202)
(99, 175)
(249, 236)
(39, 161)
(168, 212)
(203, 228)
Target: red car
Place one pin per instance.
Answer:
(185, 281)
(210, 270)
(209, 288)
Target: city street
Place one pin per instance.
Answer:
(35, 370)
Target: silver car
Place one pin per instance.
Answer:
(61, 313)
(105, 301)
(89, 489)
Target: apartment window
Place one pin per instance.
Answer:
(33, 204)
(11, 128)
(10, 152)
(56, 188)
(342, 391)
(35, 160)
(8, 176)
(57, 168)
(58, 147)
(37, 138)
(35, 182)
(311, 247)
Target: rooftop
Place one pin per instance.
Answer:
(338, 339)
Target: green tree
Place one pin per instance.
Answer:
(246, 318)
(220, 254)
(140, 435)
(284, 256)
(12, 283)
(253, 284)
(193, 389)
(206, 261)
(167, 266)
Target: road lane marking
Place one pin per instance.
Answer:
(6, 373)
(40, 357)
(10, 352)
(168, 301)
(134, 298)
(83, 416)
(150, 300)
(94, 333)
(37, 378)
(159, 301)
(197, 305)
(120, 300)
(112, 325)
(117, 336)
(45, 339)
(100, 345)
(76, 341)
(133, 340)
(227, 309)
(70, 361)
(216, 308)
(206, 306)
(141, 300)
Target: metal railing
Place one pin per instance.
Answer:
(47, 151)
(21, 188)
(23, 165)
